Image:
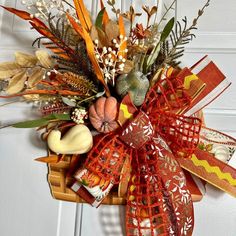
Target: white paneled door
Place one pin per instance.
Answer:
(26, 206)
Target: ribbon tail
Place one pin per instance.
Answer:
(145, 214)
(177, 198)
(158, 201)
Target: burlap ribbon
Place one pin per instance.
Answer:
(158, 201)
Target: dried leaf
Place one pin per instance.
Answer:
(42, 29)
(31, 97)
(97, 33)
(83, 14)
(17, 83)
(105, 19)
(121, 28)
(103, 39)
(35, 77)
(149, 11)
(25, 60)
(131, 14)
(52, 159)
(44, 58)
(153, 10)
(129, 65)
(68, 102)
(8, 69)
(94, 33)
(112, 30)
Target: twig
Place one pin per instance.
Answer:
(9, 103)
(155, 19)
(68, 4)
(170, 7)
(45, 92)
(5, 126)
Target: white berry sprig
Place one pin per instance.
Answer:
(110, 58)
(42, 9)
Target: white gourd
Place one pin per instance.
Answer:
(77, 140)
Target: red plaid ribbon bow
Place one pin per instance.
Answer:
(158, 201)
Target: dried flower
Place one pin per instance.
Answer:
(130, 15)
(150, 13)
(117, 11)
(78, 82)
(140, 32)
(110, 59)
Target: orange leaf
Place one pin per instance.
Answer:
(122, 32)
(105, 19)
(46, 32)
(76, 27)
(49, 159)
(36, 23)
(90, 50)
(23, 14)
(83, 14)
(96, 67)
(57, 51)
(40, 27)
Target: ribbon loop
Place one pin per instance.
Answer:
(107, 157)
(180, 132)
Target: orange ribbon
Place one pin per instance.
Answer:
(158, 201)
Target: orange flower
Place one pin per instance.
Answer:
(140, 32)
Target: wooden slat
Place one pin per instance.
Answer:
(60, 184)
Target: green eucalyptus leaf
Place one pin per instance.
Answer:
(167, 30)
(68, 102)
(57, 117)
(99, 18)
(149, 60)
(41, 122)
(153, 56)
(31, 123)
(62, 116)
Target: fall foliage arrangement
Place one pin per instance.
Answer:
(116, 104)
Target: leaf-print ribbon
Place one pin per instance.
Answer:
(158, 201)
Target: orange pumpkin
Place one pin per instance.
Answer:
(103, 114)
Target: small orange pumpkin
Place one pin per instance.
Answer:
(103, 114)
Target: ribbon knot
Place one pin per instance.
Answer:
(138, 132)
